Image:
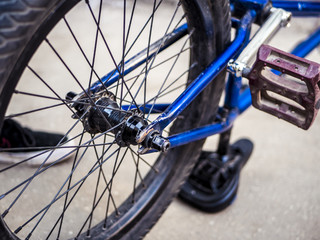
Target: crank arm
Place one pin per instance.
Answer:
(278, 18)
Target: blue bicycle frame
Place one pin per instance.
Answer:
(236, 100)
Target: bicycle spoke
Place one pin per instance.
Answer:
(158, 50)
(66, 66)
(29, 181)
(114, 171)
(68, 187)
(95, 45)
(46, 148)
(145, 161)
(81, 182)
(70, 101)
(73, 76)
(174, 89)
(36, 95)
(50, 88)
(98, 201)
(162, 94)
(168, 74)
(123, 49)
(57, 197)
(130, 23)
(96, 188)
(43, 169)
(146, 67)
(107, 184)
(136, 77)
(100, 198)
(111, 55)
(80, 48)
(38, 171)
(137, 173)
(33, 111)
(144, 26)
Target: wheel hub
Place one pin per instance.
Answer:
(106, 116)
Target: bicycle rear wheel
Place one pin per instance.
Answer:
(106, 190)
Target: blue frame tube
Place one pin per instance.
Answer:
(157, 108)
(299, 8)
(245, 100)
(205, 78)
(209, 130)
(243, 103)
(232, 92)
(203, 132)
(305, 47)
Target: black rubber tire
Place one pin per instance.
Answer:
(21, 24)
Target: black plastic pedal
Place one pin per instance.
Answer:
(213, 184)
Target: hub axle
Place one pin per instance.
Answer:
(107, 116)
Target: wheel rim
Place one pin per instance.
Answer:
(130, 205)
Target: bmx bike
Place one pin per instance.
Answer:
(137, 88)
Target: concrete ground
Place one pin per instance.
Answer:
(279, 194)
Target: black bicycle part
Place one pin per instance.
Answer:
(213, 183)
(126, 126)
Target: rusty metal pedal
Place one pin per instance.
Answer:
(285, 86)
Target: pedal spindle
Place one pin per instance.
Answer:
(285, 86)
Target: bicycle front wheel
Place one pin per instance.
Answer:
(53, 49)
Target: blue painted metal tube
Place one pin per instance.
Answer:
(209, 130)
(305, 47)
(232, 92)
(244, 101)
(206, 77)
(299, 8)
(140, 58)
(156, 108)
(203, 132)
